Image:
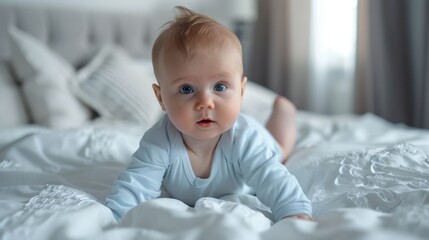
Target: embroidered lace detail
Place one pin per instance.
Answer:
(379, 178)
(53, 198)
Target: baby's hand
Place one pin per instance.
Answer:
(302, 216)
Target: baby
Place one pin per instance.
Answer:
(204, 146)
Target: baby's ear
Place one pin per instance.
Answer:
(243, 85)
(157, 90)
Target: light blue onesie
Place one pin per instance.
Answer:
(246, 155)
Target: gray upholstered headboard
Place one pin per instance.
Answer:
(76, 29)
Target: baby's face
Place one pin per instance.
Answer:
(201, 95)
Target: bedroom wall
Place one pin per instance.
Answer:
(225, 11)
(237, 15)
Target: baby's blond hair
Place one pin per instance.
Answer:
(192, 34)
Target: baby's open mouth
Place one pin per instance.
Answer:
(205, 123)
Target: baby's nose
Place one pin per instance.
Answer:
(205, 101)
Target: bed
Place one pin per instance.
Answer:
(71, 118)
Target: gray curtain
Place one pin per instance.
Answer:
(392, 71)
(279, 57)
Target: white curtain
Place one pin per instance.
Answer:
(304, 50)
(332, 55)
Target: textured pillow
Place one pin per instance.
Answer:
(11, 103)
(45, 77)
(114, 86)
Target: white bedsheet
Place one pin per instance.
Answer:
(367, 178)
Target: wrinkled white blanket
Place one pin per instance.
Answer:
(367, 179)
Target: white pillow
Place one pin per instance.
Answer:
(12, 105)
(45, 77)
(258, 101)
(113, 85)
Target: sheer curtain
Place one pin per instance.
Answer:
(392, 78)
(305, 50)
(332, 55)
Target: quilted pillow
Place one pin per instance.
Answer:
(45, 78)
(118, 87)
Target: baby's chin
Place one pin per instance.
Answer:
(204, 134)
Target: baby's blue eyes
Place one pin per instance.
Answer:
(220, 87)
(187, 89)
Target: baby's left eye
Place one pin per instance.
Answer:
(220, 87)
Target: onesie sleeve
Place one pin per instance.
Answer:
(142, 179)
(261, 169)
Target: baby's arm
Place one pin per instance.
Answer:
(278, 189)
(272, 182)
(139, 183)
(258, 163)
(142, 180)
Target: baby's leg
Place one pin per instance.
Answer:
(281, 124)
